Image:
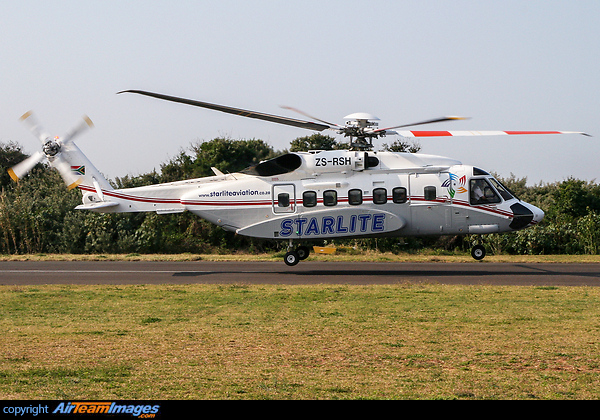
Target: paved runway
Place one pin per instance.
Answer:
(307, 272)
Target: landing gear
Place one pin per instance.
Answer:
(293, 257)
(303, 252)
(478, 252)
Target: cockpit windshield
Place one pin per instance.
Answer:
(504, 192)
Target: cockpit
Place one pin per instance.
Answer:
(485, 189)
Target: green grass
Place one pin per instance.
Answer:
(299, 342)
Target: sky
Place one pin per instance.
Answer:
(506, 64)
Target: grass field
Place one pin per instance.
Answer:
(299, 342)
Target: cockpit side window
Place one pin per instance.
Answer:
(482, 192)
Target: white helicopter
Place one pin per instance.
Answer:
(312, 195)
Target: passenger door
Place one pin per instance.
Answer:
(431, 207)
(284, 198)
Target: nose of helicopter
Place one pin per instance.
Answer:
(538, 214)
(524, 215)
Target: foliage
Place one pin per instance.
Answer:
(10, 154)
(322, 142)
(402, 145)
(225, 154)
(315, 142)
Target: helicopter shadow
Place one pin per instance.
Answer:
(513, 274)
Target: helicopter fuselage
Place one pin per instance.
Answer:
(337, 194)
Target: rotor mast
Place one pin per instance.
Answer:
(361, 129)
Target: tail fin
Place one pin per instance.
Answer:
(87, 177)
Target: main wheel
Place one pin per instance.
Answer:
(478, 252)
(291, 258)
(303, 252)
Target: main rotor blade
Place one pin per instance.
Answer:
(331, 125)
(435, 120)
(480, 133)
(236, 111)
(22, 168)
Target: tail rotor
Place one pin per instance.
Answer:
(52, 148)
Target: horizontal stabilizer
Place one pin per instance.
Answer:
(96, 206)
(170, 211)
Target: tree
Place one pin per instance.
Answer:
(225, 154)
(315, 141)
(575, 198)
(402, 145)
(10, 154)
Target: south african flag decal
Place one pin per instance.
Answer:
(78, 170)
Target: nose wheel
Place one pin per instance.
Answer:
(478, 252)
(293, 257)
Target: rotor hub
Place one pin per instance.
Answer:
(51, 147)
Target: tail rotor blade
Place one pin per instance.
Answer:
(85, 124)
(21, 169)
(34, 126)
(64, 168)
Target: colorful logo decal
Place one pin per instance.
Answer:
(455, 184)
(79, 170)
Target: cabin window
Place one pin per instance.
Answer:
(309, 199)
(430, 193)
(330, 198)
(482, 192)
(399, 195)
(355, 197)
(379, 196)
(283, 200)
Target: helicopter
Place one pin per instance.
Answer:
(316, 195)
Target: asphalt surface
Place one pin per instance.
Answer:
(306, 272)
